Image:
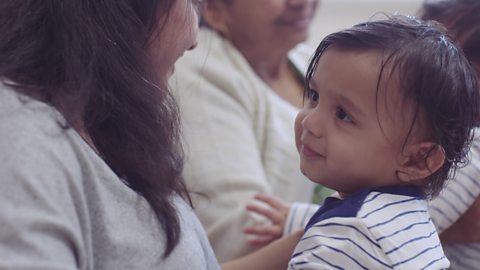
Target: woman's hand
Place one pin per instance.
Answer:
(467, 228)
(277, 213)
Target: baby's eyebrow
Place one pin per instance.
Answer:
(350, 105)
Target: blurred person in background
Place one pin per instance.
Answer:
(456, 213)
(239, 93)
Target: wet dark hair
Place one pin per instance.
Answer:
(433, 73)
(461, 18)
(88, 59)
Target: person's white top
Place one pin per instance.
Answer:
(453, 201)
(383, 228)
(239, 139)
(62, 207)
(445, 209)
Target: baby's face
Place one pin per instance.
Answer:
(349, 135)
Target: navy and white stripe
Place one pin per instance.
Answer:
(298, 216)
(388, 229)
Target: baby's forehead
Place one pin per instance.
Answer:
(381, 63)
(380, 80)
(375, 67)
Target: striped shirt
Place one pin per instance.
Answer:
(385, 228)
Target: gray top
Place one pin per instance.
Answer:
(62, 207)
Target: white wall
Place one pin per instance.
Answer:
(334, 15)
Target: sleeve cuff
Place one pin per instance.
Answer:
(298, 216)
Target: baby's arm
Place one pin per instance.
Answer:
(284, 219)
(337, 243)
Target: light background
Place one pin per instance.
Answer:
(334, 15)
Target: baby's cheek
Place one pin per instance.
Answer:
(298, 129)
(340, 153)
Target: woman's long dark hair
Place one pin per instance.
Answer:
(88, 59)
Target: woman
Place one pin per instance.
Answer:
(239, 93)
(90, 165)
(90, 159)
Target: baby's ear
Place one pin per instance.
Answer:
(420, 160)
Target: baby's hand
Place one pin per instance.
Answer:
(277, 214)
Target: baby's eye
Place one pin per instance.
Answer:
(312, 95)
(342, 115)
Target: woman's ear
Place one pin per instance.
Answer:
(420, 160)
(215, 14)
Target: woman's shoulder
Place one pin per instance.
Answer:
(212, 51)
(25, 121)
(34, 135)
(300, 56)
(215, 72)
(217, 63)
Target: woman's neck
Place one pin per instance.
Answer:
(268, 63)
(83, 133)
(274, 68)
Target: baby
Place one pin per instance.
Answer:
(389, 111)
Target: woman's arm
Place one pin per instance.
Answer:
(466, 229)
(274, 256)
